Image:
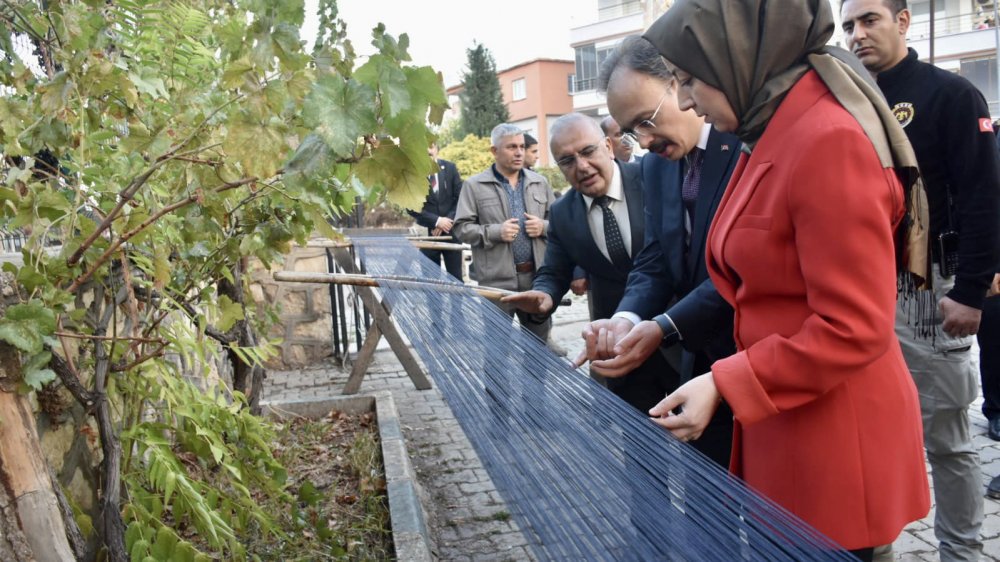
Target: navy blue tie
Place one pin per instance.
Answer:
(692, 179)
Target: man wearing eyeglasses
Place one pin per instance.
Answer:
(669, 298)
(597, 226)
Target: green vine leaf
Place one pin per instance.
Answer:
(25, 326)
(385, 75)
(231, 312)
(340, 111)
(36, 371)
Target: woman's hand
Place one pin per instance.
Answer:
(698, 399)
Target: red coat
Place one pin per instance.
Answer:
(828, 420)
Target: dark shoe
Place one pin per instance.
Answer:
(994, 429)
(993, 490)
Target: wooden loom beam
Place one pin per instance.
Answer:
(383, 327)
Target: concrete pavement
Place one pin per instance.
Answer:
(469, 521)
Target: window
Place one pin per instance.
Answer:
(586, 68)
(588, 65)
(602, 55)
(520, 91)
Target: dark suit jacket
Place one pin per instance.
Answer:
(444, 203)
(664, 272)
(571, 244)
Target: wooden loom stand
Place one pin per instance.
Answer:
(379, 309)
(380, 312)
(383, 326)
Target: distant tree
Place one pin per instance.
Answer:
(471, 155)
(482, 102)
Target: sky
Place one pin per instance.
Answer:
(440, 31)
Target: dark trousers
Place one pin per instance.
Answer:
(644, 387)
(989, 357)
(452, 260)
(864, 554)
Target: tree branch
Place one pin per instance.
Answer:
(164, 211)
(106, 338)
(72, 382)
(120, 368)
(27, 29)
(214, 333)
(111, 484)
(132, 188)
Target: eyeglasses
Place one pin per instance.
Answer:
(588, 153)
(645, 127)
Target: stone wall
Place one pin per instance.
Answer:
(305, 323)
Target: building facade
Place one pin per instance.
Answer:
(535, 93)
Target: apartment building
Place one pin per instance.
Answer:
(965, 42)
(535, 93)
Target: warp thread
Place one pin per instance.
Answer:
(585, 475)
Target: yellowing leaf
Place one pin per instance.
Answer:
(391, 168)
(260, 149)
(55, 94)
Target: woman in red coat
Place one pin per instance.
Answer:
(802, 246)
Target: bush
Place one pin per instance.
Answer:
(471, 155)
(555, 177)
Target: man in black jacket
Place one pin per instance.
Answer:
(949, 126)
(438, 212)
(598, 227)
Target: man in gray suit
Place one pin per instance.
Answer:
(503, 214)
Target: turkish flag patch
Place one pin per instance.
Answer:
(985, 125)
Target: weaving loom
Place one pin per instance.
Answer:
(586, 476)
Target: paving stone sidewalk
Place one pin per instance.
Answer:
(468, 519)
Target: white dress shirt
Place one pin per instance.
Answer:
(619, 207)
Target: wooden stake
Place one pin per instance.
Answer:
(404, 282)
(420, 244)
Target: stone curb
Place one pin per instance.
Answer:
(409, 523)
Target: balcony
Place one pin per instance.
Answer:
(621, 9)
(577, 86)
(606, 30)
(951, 25)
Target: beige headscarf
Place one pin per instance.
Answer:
(754, 51)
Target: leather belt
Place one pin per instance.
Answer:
(524, 267)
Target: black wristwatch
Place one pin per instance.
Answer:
(670, 333)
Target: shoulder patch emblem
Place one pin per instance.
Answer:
(904, 113)
(985, 125)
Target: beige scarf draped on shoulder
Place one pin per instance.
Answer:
(722, 43)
